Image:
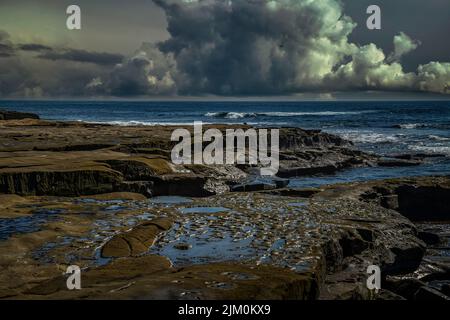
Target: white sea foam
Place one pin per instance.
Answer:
(143, 123)
(320, 113)
(369, 137)
(238, 115)
(437, 149)
(410, 126)
(231, 115)
(438, 138)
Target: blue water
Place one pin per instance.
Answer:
(27, 224)
(382, 127)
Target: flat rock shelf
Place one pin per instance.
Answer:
(108, 199)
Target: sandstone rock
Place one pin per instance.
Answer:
(150, 277)
(145, 150)
(140, 168)
(93, 180)
(136, 241)
(145, 188)
(115, 272)
(181, 185)
(116, 196)
(338, 230)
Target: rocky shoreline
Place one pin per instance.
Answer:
(108, 198)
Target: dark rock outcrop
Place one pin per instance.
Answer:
(425, 202)
(398, 163)
(14, 115)
(60, 183)
(430, 294)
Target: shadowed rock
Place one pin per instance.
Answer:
(14, 115)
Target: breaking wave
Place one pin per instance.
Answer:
(238, 115)
(369, 137)
(438, 138)
(437, 149)
(440, 126)
(409, 126)
(132, 123)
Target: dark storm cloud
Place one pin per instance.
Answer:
(243, 47)
(249, 47)
(44, 71)
(148, 72)
(6, 47)
(6, 51)
(33, 47)
(13, 74)
(101, 58)
(231, 48)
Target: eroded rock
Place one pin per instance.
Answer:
(136, 241)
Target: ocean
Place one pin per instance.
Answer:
(381, 127)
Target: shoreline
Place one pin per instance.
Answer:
(108, 198)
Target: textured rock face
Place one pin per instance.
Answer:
(263, 241)
(277, 244)
(71, 159)
(13, 115)
(425, 202)
(296, 139)
(60, 183)
(136, 241)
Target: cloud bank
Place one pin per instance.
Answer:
(235, 48)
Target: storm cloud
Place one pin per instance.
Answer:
(37, 70)
(148, 72)
(273, 47)
(33, 47)
(76, 55)
(6, 47)
(235, 48)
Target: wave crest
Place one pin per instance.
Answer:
(238, 115)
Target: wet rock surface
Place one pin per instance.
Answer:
(109, 200)
(300, 245)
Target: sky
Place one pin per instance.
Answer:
(224, 48)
